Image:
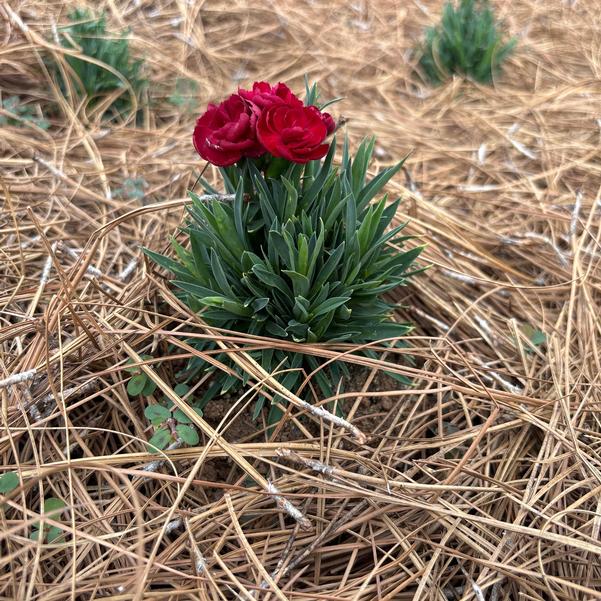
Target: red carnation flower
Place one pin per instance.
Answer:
(329, 122)
(227, 132)
(263, 95)
(295, 133)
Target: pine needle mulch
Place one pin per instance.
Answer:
(481, 481)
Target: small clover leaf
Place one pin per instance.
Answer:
(53, 533)
(135, 369)
(181, 390)
(53, 505)
(159, 440)
(149, 387)
(181, 417)
(157, 414)
(52, 508)
(188, 434)
(136, 385)
(536, 336)
(8, 482)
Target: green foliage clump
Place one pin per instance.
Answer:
(468, 40)
(301, 254)
(114, 66)
(22, 112)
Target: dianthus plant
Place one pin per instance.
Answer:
(297, 247)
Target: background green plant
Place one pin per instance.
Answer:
(185, 95)
(89, 35)
(22, 112)
(304, 257)
(468, 40)
(133, 188)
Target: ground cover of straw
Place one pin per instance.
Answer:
(481, 481)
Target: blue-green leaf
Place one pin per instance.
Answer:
(329, 305)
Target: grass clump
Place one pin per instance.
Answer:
(111, 72)
(468, 41)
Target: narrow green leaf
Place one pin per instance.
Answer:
(312, 193)
(300, 283)
(231, 306)
(330, 266)
(219, 275)
(163, 261)
(329, 305)
(274, 416)
(259, 303)
(302, 262)
(239, 213)
(377, 183)
(271, 279)
(351, 219)
(195, 289)
(227, 228)
(258, 407)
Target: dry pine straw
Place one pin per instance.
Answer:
(482, 481)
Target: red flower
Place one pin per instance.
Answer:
(227, 132)
(329, 122)
(295, 133)
(263, 95)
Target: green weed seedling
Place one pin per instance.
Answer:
(171, 422)
(140, 383)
